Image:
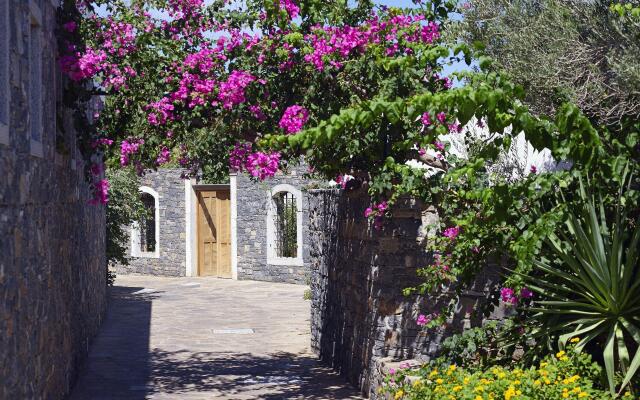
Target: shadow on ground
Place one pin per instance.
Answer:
(122, 365)
(274, 376)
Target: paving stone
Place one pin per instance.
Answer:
(161, 345)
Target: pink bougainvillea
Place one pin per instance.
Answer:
(290, 7)
(164, 156)
(426, 119)
(232, 92)
(526, 293)
(83, 66)
(508, 296)
(127, 148)
(70, 26)
(263, 165)
(293, 119)
(238, 156)
(451, 232)
(101, 192)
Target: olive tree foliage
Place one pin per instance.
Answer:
(585, 52)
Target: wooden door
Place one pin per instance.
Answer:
(214, 233)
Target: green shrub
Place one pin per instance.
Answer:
(565, 375)
(588, 285)
(124, 207)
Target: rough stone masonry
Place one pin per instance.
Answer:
(360, 319)
(52, 243)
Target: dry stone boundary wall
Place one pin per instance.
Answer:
(360, 321)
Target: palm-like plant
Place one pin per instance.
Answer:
(591, 286)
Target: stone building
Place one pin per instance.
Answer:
(52, 243)
(241, 230)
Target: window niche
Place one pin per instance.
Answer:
(5, 89)
(145, 234)
(284, 226)
(36, 87)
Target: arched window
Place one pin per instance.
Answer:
(284, 226)
(148, 224)
(145, 234)
(286, 214)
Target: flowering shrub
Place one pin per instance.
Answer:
(560, 376)
(356, 89)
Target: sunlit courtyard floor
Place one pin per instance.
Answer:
(204, 338)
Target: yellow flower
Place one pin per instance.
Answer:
(509, 393)
(516, 382)
(575, 340)
(565, 395)
(547, 381)
(543, 364)
(479, 398)
(537, 382)
(434, 372)
(417, 382)
(560, 353)
(583, 394)
(465, 381)
(399, 394)
(457, 388)
(452, 367)
(439, 381)
(478, 388)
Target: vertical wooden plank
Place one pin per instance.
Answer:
(224, 238)
(214, 233)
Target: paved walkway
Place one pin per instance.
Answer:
(189, 338)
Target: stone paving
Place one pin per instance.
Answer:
(190, 338)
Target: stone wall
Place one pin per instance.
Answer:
(253, 197)
(169, 185)
(360, 320)
(52, 243)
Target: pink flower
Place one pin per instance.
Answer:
(238, 156)
(257, 112)
(525, 293)
(455, 127)
(426, 119)
(508, 296)
(534, 169)
(127, 148)
(164, 156)
(232, 91)
(376, 209)
(439, 145)
(101, 192)
(342, 180)
(262, 165)
(441, 117)
(392, 371)
(70, 26)
(422, 320)
(290, 7)
(293, 119)
(451, 233)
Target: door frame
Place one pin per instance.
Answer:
(191, 204)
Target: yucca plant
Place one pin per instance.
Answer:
(588, 286)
